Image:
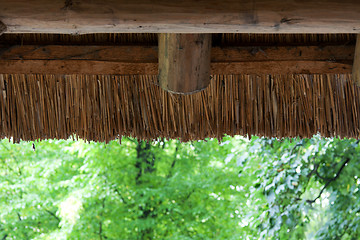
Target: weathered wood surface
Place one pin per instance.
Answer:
(2, 28)
(356, 66)
(184, 62)
(55, 59)
(186, 16)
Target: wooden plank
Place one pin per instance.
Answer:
(75, 67)
(332, 53)
(115, 68)
(356, 66)
(184, 62)
(280, 67)
(134, 54)
(54, 59)
(186, 16)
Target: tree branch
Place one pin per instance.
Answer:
(120, 195)
(53, 214)
(330, 181)
(316, 166)
(19, 216)
(173, 162)
(189, 194)
(299, 144)
(321, 177)
(315, 170)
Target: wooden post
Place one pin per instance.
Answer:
(2, 28)
(356, 64)
(184, 62)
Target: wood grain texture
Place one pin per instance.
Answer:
(356, 65)
(56, 59)
(186, 16)
(2, 28)
(184, 62)
(134, 54)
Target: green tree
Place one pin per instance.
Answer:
(136, 190)
(305, 179)
(233, 189)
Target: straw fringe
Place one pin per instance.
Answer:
(102, 108)
(230, 39)
(151, 39)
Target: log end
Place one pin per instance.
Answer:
(184, 62)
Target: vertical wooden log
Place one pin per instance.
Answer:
(356, 64)
(184, 62)
(2, 28)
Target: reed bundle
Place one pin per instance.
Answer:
(102, 108)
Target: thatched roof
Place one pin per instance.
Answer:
(104, 107)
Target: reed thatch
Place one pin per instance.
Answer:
(102, 108)
(225, 39)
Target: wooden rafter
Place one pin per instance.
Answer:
(187, 16)
(63, 59)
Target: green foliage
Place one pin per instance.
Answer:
(160, 190)
(236, 189)
(305, 179)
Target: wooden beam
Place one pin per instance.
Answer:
(186, 16)
(184, 62)
(55, 59)
(2, 28)
(112, 53)
(356, 66)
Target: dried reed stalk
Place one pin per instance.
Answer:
(102, 108)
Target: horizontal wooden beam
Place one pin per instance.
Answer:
(186, 16)
(56, 59)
